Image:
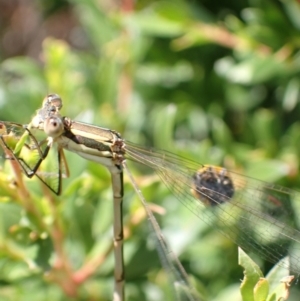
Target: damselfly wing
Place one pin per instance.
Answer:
(258, 216)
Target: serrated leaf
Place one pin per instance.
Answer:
(252, 275)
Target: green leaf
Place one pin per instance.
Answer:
(252, 275)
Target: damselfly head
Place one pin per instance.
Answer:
(51, 106)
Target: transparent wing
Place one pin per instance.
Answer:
(177, 275)
(256, 215)
(34, 155)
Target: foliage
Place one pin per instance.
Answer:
(216, 83)
(256, 287)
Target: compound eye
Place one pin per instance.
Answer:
(53, 126)
(53, 101)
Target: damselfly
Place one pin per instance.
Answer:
(258, 216)
(30, 151)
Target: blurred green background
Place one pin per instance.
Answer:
(214, 82)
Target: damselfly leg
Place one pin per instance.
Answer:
(30, 150)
